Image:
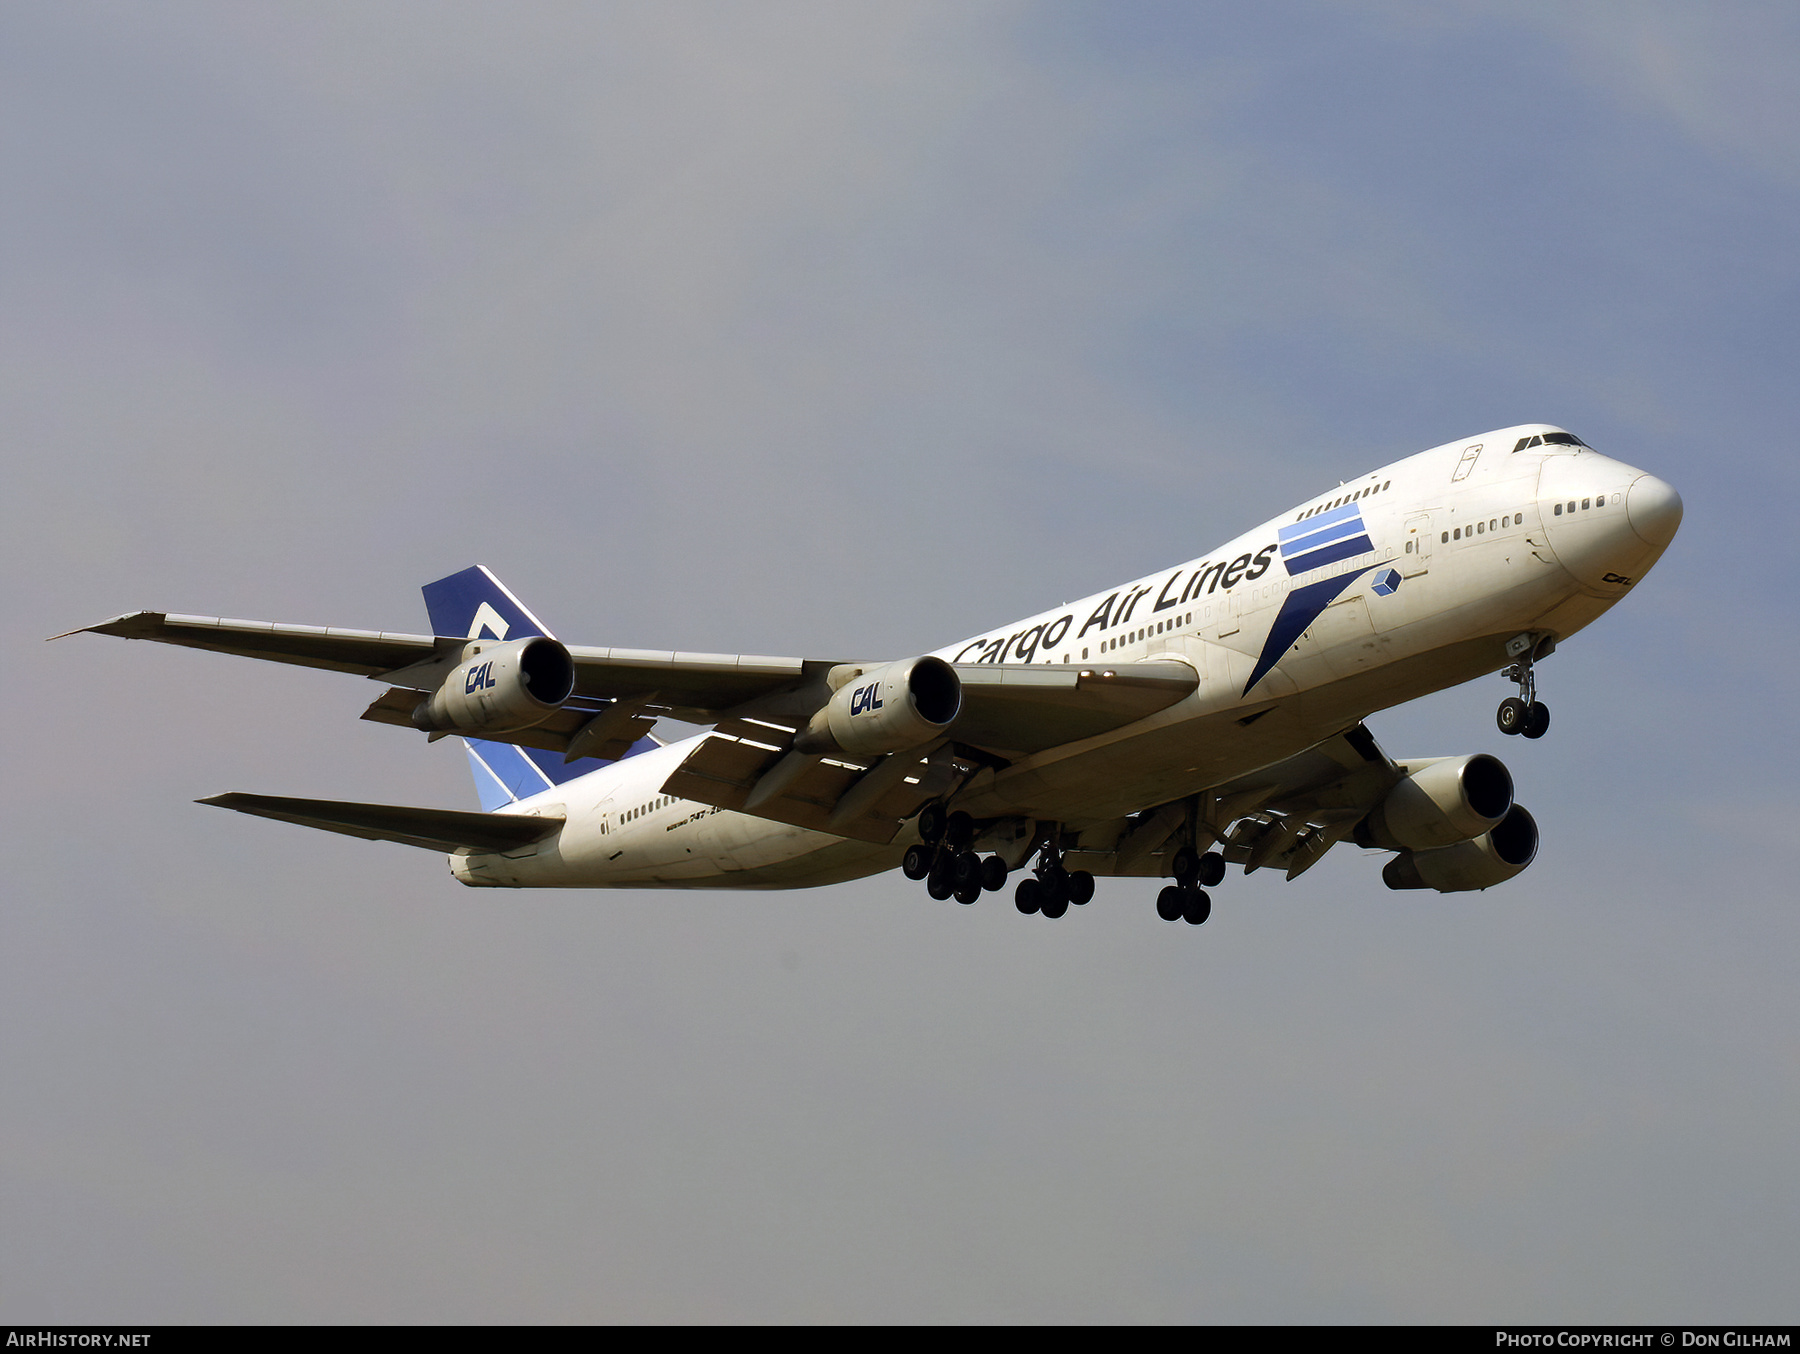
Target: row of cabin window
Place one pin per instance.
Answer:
(642, 809)
(1479, 529)
(1599, 502)
(1347, 498)
(1160, 628)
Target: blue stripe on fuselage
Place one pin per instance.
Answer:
(1329, 554)
(1313, 523)
(1323, 536)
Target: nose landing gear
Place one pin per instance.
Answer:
(1525, 713)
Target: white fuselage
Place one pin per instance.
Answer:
(1405, 581)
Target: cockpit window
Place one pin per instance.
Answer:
(1551, 440)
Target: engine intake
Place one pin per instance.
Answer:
(1442, 801)
(886, 709)
(500, 688)
(1492, 858)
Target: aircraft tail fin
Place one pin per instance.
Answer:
(474, 604)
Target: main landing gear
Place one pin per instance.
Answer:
(945, 862)
(1525, 713)
(1185, 899)
(1052, 888)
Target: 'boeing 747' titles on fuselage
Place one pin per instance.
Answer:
(1205, 715)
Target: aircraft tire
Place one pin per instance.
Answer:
(993, 874)
(965, 870)
(1186, 865)
(1537, 720)
(940, 885)
(916, 864)
(959, 830)
(1056, 883)
(1212, 869)
(1055, 907)
(968, 893)
(931, 824)
(1029, 896)
(1196, 907)
(1169, 903)
(1081, 887)
(1512, 716)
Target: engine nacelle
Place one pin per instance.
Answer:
(886, 709)
(1492, 858)
(500, 688)
(1446, 800)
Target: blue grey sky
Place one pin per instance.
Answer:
(848, 330)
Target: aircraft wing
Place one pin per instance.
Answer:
(1286, 815)
(1011, 709)
(367, 653)
(691, 687)
(433, 829)
(1008, 710)
(748, 764)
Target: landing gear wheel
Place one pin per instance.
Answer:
(1081, 887)
(1212, 869)
(931, 824)
(1186, 865)
(1169, 903)
(968, 893)
(965, 871)
(1055, 907)
(1029, 896)
(1056, 884)
(1196, 907)
(1537, 720)
(1514, 715)
(993, 874)
(917, 862)
(940, 885)
(959, 830)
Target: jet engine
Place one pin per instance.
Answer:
(886, 709)
(500, 688)
(1492, 858)
(1441, 801)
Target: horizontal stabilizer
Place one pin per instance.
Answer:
(432, 829)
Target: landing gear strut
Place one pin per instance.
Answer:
(1525, 713)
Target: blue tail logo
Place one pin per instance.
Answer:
(474, 604)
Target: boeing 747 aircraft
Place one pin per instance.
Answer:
(1205, 715)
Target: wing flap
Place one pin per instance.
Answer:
(432, 829)
(827, 794)
(696, 687)
(1027, 708)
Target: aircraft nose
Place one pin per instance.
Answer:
(1654, 509)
